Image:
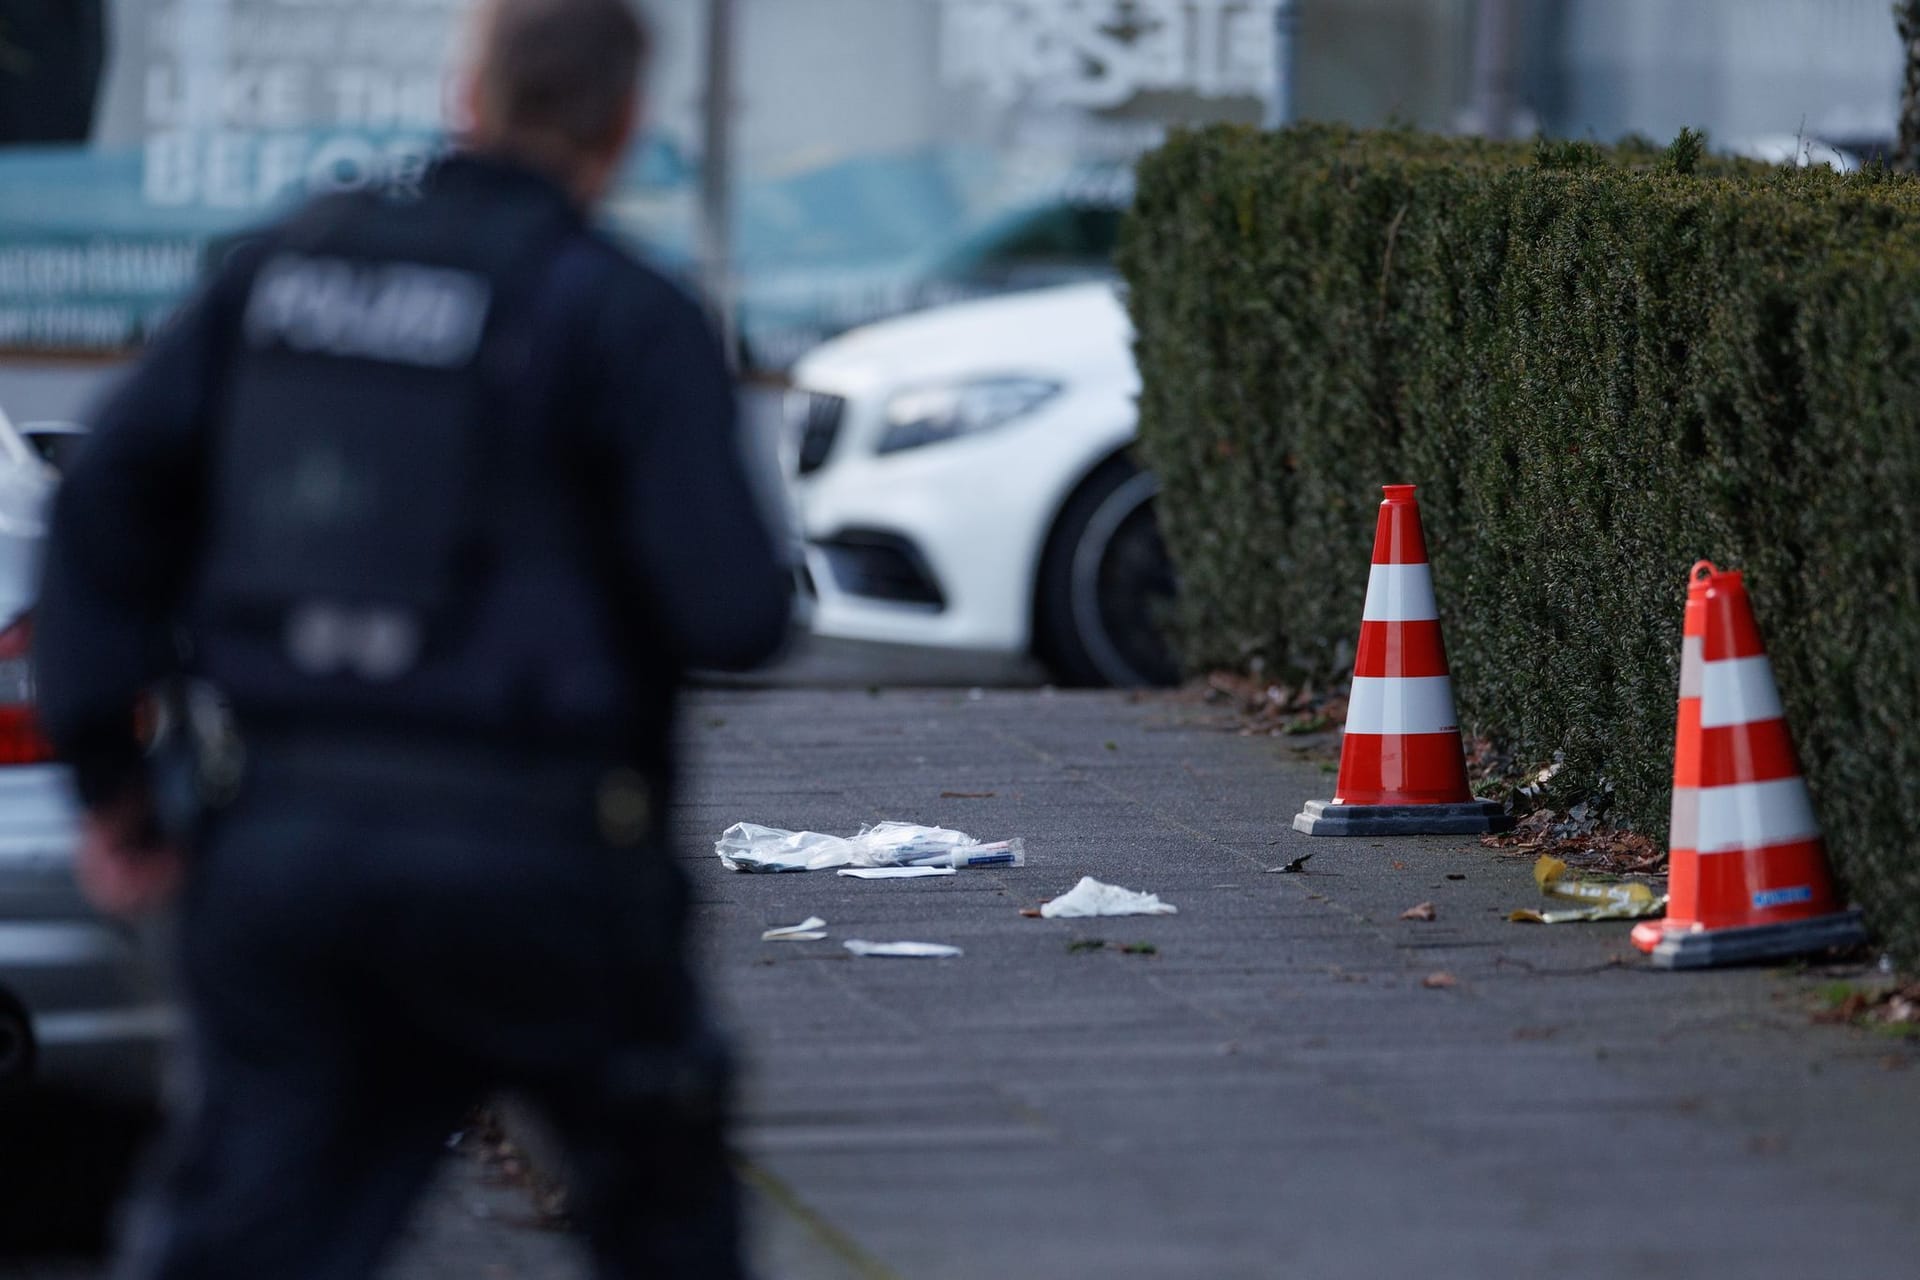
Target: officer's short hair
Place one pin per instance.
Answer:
(557, 75)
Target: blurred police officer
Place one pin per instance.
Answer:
(440, 491)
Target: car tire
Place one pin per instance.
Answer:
(1104, 582)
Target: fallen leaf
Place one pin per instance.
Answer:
(1031, 912)
(1424, 911)
(1399, 866)
(1848, 1008)
(968, 795)
(1436, 981)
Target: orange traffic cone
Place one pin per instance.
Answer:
(1683, 874)
(1747, 873)
(1402, 768)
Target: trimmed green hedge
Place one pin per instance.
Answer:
(1599, 366)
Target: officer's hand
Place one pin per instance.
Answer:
(123, 867)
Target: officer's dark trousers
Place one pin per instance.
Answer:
(370, 948)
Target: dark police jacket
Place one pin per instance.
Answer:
(615, 540)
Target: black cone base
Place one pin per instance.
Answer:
(1472, 817)
(1711, 947)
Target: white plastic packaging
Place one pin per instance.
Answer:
(904, 950)
(1001, 853)
(903, 844)
(894, 873)
(748, 846)
(812, 929)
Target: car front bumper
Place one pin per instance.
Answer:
(969, 519)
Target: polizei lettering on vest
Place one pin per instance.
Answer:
(395, 312)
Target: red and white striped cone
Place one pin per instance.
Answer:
(1754, 883)
(1682, 838)
(1402, 768)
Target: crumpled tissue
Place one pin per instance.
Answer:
(1092, 898)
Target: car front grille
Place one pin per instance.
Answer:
(813, 417)
(879, 565)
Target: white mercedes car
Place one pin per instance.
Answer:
(962, 481)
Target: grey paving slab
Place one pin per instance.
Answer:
(1273, 1092)
(473, 1227)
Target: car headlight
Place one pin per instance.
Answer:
(928, 415)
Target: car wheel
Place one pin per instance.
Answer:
(1105, 580)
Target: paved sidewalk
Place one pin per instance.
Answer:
(473, 1226)
(1274, 1092)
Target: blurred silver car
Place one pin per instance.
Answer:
(81, 1008)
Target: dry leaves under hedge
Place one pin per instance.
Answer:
(1259, 706)
(1895, 1008)
(1588, 848)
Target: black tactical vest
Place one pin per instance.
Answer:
(379, 340)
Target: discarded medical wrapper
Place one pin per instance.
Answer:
(927, 950)
(1606, 901)
(902, 844)
(748, 846)
(808, 930)
(1092, 898)
(895, 873)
